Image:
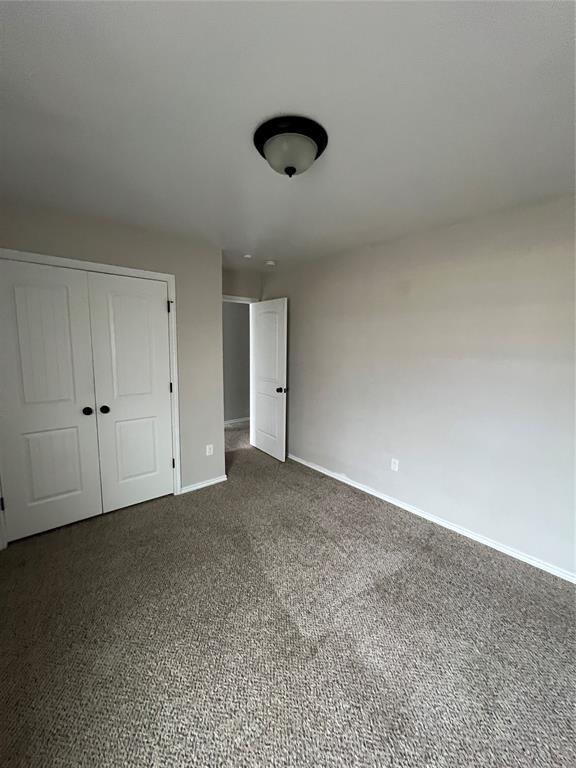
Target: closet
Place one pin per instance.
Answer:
(85, 394)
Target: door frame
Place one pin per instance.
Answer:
(113, 269)
(239, 299)
(228, 299)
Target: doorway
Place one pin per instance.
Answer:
(236, 352)
(255, 373)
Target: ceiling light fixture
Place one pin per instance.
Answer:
(270, 263)
(290, 143)
(247, 255)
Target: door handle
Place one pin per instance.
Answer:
(280, 390)
(104, 409)
(87, 411)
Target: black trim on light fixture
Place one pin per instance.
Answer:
(290, 124)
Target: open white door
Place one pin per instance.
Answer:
(268, 344)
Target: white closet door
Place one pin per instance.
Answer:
(48, 451)
(268, 344)
(129, 320)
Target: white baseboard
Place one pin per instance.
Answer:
(243, 420)
(536, 562)
(203, 484)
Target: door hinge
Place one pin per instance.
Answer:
(170, 386)
(2, 507)
(168, 304)
(173, 464)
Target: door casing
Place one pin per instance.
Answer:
(112, 269)
(252, 301)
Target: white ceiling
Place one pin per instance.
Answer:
(144, 113)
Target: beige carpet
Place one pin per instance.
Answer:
(279, 619)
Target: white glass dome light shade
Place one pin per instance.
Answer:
(290, 153)
(290, 143)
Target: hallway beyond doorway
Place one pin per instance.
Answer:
(237, 436)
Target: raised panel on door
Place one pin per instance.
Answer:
(131, 364)
(48, 449)
(268, 337)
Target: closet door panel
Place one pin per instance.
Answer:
(48, 451)
(131, 364)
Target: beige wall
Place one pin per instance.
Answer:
(453, 352)
(241, 282)
(198, 270)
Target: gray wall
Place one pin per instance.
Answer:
(453, 352)
(236, 335)
(198, 270)
(242, 282)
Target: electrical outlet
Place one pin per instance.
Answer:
(394, 465)
(209, 449)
